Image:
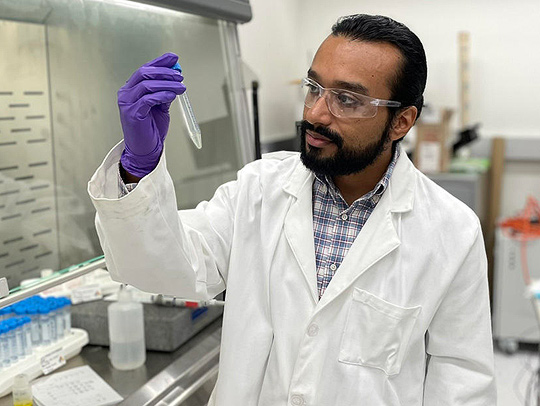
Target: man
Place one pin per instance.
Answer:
(351, 278)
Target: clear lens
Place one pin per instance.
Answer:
(346, 104)
(341, 103)
(311, 92)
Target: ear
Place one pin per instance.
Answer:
(402, 122)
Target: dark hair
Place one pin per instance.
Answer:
(410, 82)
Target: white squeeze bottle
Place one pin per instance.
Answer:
(126, 332)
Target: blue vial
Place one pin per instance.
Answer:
(44, 325)
(52, 318)
(4, 343)
(6, 313)
(34, 325)
(60, 318)
(13, 352)
(19, 309)
(2, 356)
(67, 316)
(3, 314)
(19, 337)
(27, 335)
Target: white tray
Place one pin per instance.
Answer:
(31, 365)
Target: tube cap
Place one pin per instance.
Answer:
(20, 381)
(124, 295)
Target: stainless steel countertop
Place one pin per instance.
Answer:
(126, 383)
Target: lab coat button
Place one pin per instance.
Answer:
(297, 400)
(313, 330)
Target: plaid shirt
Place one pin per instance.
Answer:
(336, 224)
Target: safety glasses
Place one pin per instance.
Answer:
(343, 103)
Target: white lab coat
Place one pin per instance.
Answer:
(404, 322)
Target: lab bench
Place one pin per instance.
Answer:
(184, 377)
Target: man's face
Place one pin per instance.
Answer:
(337, 146)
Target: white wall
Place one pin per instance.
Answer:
(505, 55)
(269, 46)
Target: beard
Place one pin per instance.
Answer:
(346, 160)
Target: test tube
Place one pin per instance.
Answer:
(4, 343)
(5, 313)
(22, 391)
(60, 319)
(44, 325)
(34, 325)
(19, 338)
(67, 316)
(27, 335)
(52, 318)
(186, 111)
(2, 355)
(13, 351)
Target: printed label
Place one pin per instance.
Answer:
(53, 361)
(86, 294)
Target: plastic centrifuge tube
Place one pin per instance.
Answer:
(22, 391)
(187, 113)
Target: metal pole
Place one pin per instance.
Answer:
(255, 97)
(237, 93)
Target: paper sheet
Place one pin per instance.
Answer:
(80, 386)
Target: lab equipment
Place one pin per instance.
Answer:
(4, 342)
(6, 313)
(164, 300)
(343, 103)
(44, 325)
(4, 349)
(22, 391)
(126, 332)
(517, 259)
(34, 325)
(1, 351)
(42, 361)
(18, 330)
(27, 335)
(51, 303)
(187, 113)
(60, 319)
(67, 315)
(12, 342)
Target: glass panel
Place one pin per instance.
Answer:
(37, 281)
(61, 66)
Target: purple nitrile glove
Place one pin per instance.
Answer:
(144, 112)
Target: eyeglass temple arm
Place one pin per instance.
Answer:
(387, 103)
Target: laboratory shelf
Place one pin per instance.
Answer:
(71, 346)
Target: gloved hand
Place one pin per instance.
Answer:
(144, 112)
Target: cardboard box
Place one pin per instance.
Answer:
(432, 153)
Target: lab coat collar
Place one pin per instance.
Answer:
(401, 187)
(377, 239)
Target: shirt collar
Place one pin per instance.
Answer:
(374, 194)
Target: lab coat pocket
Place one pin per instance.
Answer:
(377, 332)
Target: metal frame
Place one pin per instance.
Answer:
(54, 280)
(180, 380)
(237, 94)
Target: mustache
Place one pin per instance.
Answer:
(324, 131)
